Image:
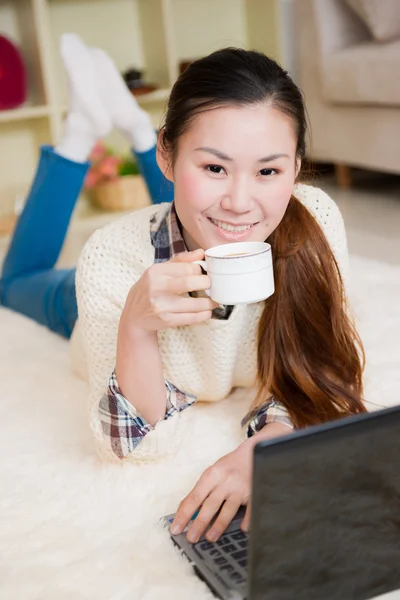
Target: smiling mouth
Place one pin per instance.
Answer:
(230, 227)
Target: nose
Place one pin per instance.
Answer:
(237, 197)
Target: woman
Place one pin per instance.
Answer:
(232, 145)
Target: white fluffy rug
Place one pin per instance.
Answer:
(73, 528)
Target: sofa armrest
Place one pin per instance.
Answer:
(337, 26)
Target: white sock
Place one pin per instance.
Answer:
(123, 109)
(79, 138)
(87, 119)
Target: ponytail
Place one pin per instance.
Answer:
(310, 357)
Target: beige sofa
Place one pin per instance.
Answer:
(349, 69)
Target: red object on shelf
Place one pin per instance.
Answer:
(145, 89)
(13, 87)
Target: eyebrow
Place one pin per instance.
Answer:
(223, 156)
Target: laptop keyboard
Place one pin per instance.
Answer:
(229, 555)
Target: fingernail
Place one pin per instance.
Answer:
(212, 535)
(192, 538)
(175, 529)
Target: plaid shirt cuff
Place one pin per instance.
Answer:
(121, 422)
(269, 412)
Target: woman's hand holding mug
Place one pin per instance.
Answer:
(159, 299)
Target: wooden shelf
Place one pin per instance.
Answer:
(24, 113)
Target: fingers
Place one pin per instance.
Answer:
(184, 263)
(192, 502)
(189, 283)
(189, 305)
(208, 511)
(179, 275)
(182, 319)
(178, 311)
(173, 268)
(225, 517)
(165, 286)
(245, 526)
(217, 496)
(189, 256)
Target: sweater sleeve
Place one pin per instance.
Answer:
(110, 263)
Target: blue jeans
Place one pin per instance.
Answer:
(29, 282)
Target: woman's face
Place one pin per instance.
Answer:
(234, 175)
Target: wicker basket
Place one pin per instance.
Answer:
(7, 224)
(125, 193)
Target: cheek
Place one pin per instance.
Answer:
(277, 199)
(185, 183)
(193, 191)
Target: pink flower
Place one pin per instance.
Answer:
(98, 151)
(104, 167)
(92, 179)
(109, 167)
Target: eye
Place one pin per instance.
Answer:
(268, 172)
(217, 169)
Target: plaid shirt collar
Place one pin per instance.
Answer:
(166, 236)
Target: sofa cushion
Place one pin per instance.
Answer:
(382, 17)
(363, 74)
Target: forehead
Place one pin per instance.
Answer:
(255, 129)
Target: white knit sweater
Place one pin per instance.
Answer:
(208, 359)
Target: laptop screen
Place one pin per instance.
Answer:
(326, 512)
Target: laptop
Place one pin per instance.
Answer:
(325, 521)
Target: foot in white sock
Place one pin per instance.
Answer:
(87, 119)
(122, 108)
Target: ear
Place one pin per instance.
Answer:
(298, 167)
(164, 159)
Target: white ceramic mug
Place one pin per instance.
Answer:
(240, 273)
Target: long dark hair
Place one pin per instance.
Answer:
(310, 356)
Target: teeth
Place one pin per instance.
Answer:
(229, 227)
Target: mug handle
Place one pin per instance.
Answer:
(203, 265)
